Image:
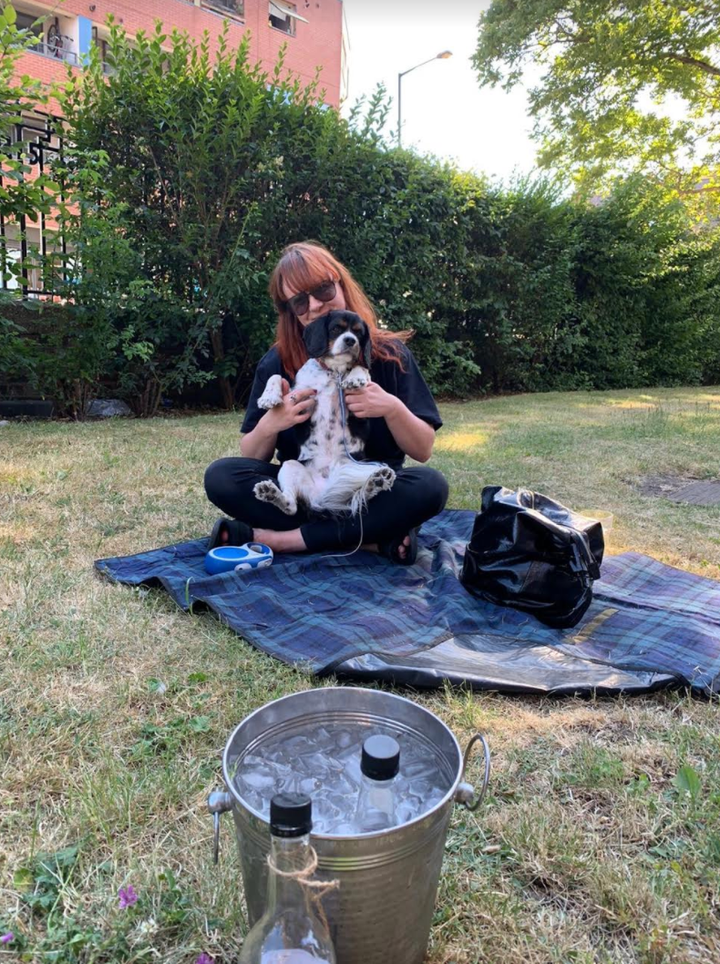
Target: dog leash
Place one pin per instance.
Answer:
(343, 423)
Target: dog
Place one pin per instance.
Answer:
(325, 477)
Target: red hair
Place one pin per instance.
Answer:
(302, 267)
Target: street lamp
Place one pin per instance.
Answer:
(441, 56)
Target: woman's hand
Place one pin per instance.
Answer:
(414, 436)
(371, 402)
(297, 406)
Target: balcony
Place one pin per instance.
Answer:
(53, 35)
(56, 52)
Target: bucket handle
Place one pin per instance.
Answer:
(218, 802)
(465, 793)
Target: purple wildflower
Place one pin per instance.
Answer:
(6, 938)
(204, 959)
(127, 897)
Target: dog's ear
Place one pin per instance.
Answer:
(315, 336)
(365, 342)
(366, 345)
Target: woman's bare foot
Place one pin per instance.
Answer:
(289, 541)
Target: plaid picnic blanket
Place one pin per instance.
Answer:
(359, 615)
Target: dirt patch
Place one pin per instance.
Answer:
(662, 486)
(680, 488)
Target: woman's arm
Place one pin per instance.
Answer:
(261, 442)
(414, 436)
(295, 408)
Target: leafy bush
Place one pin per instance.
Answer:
(189, 174)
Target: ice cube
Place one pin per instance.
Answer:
(255, 801)
(258, 779)
(319, 763)
(433, 799)
(344, 829)
(405, 812)
(253, 760)
(343, 739)
(419, 768)
(289, 783)
(352, 769)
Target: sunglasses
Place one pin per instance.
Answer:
(324, 292)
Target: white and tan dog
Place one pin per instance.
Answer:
(325, 476)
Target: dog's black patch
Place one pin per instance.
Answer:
(358, 428)
(302, 432)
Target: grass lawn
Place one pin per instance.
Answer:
(594, 845)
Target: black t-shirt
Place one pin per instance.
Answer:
(408, 385)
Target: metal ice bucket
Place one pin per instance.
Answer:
(383, 908)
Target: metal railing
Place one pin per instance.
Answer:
(55, 52)
(39, 140)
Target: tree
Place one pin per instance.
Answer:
(23, 194)
(20, 192)
(626, 85)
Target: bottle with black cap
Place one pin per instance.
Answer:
(290, 930)
(379, 763)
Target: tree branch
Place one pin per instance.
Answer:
(581, 37)
(693, 62)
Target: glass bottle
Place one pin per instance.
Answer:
(290, 931)
(379, 764)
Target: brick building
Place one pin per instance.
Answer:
(314, 31)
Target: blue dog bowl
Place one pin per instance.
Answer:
(253, 555)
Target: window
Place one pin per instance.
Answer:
(27, 21)
(231, 8)
(10, 260)
(102, 46)
(282, 16)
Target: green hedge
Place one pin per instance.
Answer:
(191, 173)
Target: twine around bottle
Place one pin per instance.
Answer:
(315, 889)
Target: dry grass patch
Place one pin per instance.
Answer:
(600, 840)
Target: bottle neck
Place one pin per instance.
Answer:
(379, 784)
(289, 855)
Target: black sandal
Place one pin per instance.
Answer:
(230, 532)
(390, 549)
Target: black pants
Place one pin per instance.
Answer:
(418, 494)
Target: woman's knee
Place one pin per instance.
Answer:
(435, 488)
(217, 477)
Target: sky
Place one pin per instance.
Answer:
(445, 113)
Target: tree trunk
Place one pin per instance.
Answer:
(226, 390)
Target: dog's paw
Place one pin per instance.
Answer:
(356, 378)
(272, 396)
(380, 481)
(267, 491)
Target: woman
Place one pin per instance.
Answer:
(308, 282)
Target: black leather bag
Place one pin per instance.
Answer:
(534, 554)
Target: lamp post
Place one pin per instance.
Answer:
(441, 56)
